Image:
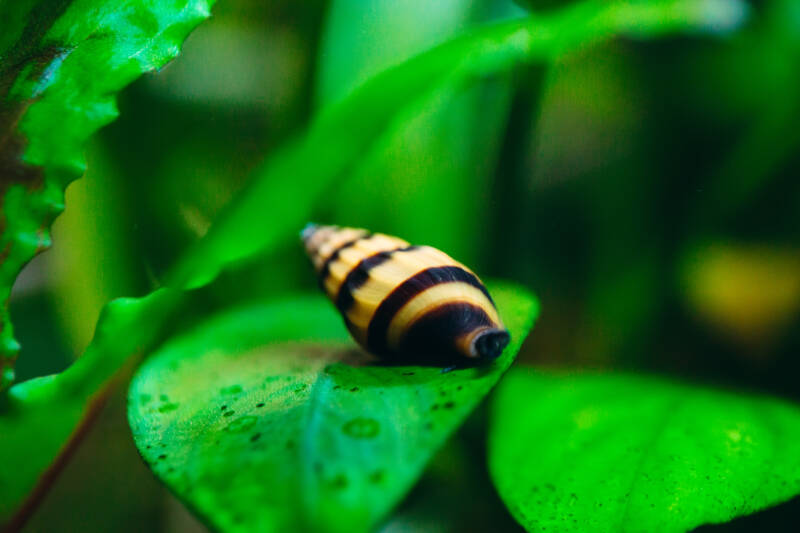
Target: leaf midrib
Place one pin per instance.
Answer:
(671, 410)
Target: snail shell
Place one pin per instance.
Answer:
(404, 302)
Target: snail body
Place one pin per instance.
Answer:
(403, 302)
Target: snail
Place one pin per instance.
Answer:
(405, 303)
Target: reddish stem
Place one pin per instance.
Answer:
(49, 476)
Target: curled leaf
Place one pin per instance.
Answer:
(61, 65)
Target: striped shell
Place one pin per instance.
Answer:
(405, 302)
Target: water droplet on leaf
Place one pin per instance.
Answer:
(167, 407)
(243, 423)
(362, 428)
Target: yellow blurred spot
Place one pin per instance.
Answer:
(750, 293)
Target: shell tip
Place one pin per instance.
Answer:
(308, 231)
(489, 344)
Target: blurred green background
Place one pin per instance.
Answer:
(647, 191)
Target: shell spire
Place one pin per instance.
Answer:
(403, 302)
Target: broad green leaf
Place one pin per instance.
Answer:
(40, 415)
(61, 64)
(259, 434)
(283, 193)
(629, 453)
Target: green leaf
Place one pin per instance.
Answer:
(259, 434)
(283, 193)
(40, 415)
(630, 453)
(61, 64)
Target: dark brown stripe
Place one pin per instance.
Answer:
(432, 336)
(359, 275)
(403, 293)
(326, 266)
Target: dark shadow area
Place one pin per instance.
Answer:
(781, 518)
